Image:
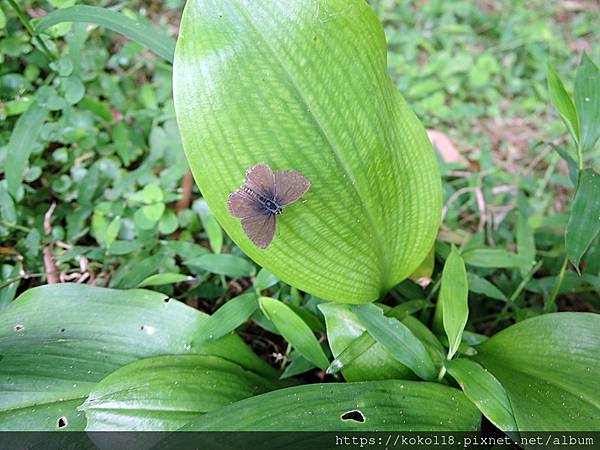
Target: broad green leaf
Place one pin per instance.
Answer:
(57, 341)
(21, 143)
(160, 279)
(584, 222)
(378, 405)
(210, 224)
(344, 329)
(490, 257)
(227, 318)
(304, 85)
(482, 286)
(483, 389)
(147, 35)
(549, 367)
(230, 265)
(166, 392)
(563, 103)
(398, 339)
(453, 300)
(294, 330)
(587, 101)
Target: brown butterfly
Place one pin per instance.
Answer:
(262, 197)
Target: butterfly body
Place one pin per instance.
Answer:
(269, 205)
(262, 197)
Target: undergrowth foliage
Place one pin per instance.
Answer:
(130, 300)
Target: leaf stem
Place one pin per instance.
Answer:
(510, 302)
(15, 226)
(561, 275)
(27, 24)
(524, 282)
(441, 374)
(434, 289)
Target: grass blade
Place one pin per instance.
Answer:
(150, 37)
(23, 137)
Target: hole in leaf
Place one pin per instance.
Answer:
(62, 422)
(167, 300)
(19, 327)
(62, 330)
(354, 416)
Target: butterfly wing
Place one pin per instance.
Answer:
(261, 180)
(260, 229)
(241, 204)
(289, 186)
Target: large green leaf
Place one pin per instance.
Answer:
(149, 36)
(303, 85)
(58, 341)
(584, 222)
(166, 392)
(343, 330)
(549, 367)
(384, 405)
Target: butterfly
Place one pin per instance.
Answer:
(262, 198)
